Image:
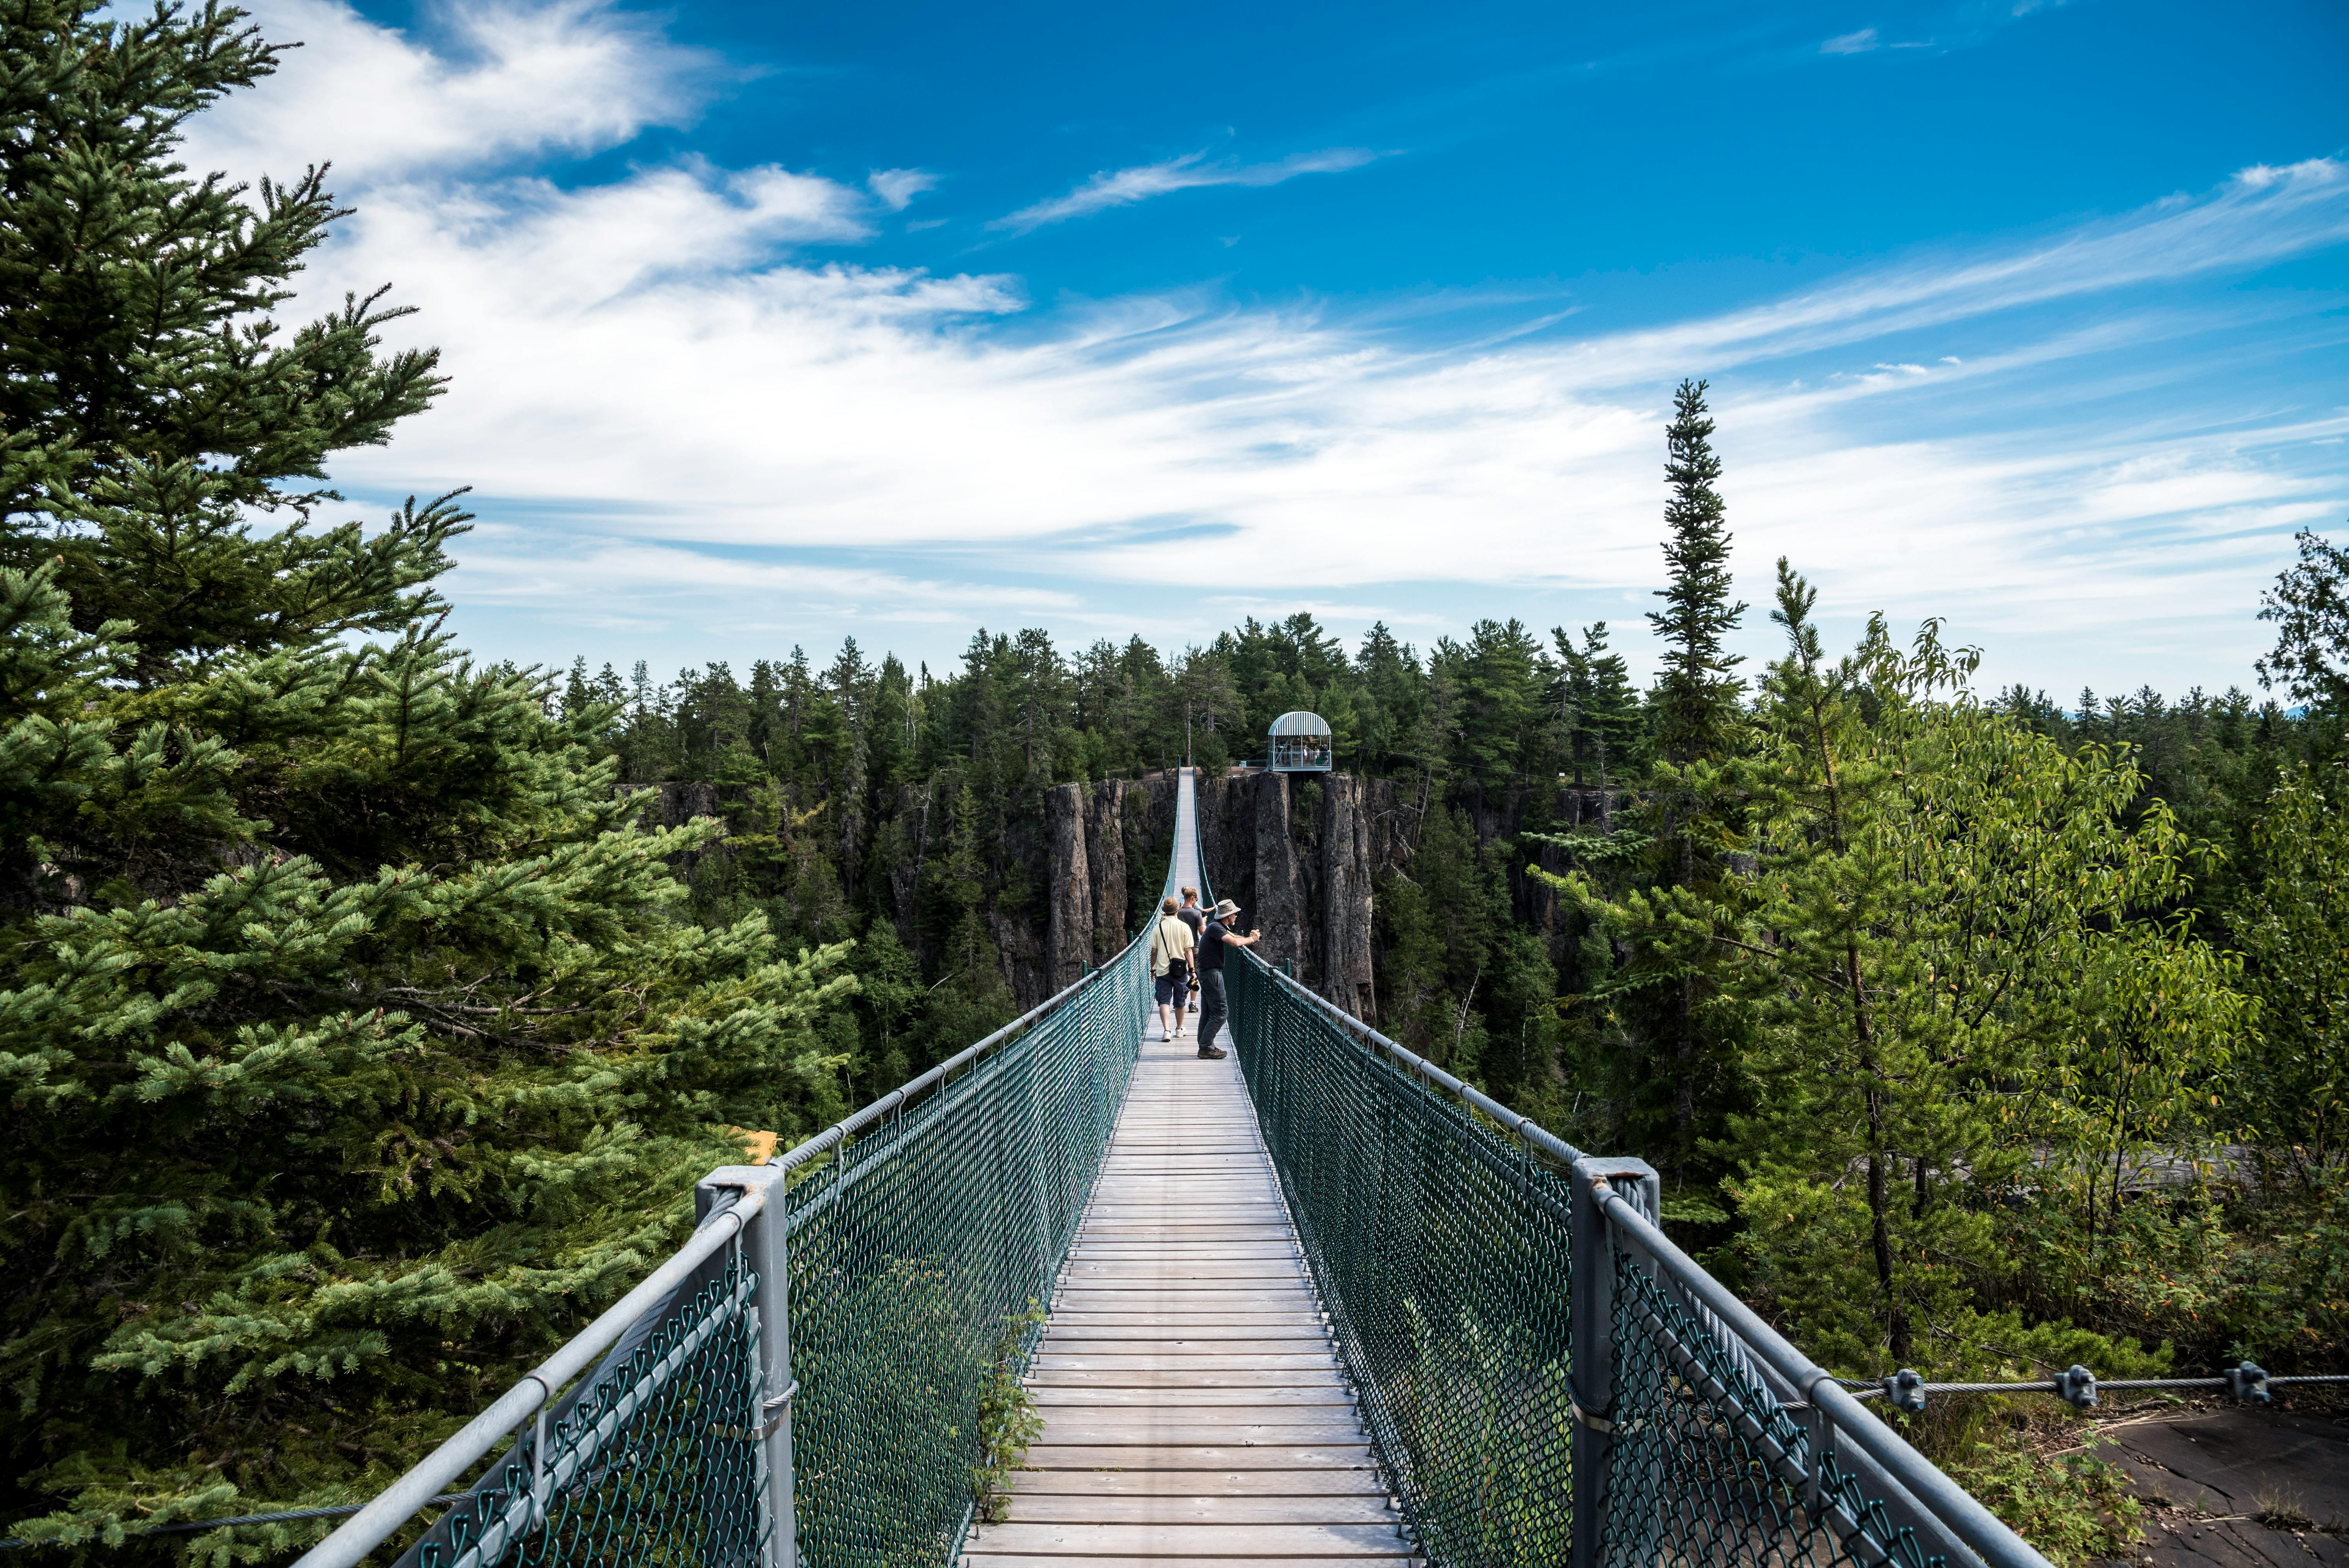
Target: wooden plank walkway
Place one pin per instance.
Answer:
(1192, 1404)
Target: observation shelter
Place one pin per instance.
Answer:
(1078, 1298)
(1300, 743)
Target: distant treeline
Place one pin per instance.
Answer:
(823, 760)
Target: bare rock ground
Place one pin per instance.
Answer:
(2232, 1487)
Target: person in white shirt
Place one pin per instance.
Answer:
(1171, 944)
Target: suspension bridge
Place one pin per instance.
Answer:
(1079, 1298)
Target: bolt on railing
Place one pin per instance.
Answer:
(2247, 1382)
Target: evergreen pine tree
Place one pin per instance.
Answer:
(152, 405)
(355, 1049)
(1394, 692)
(1697, 721)
(1598, 710)
(1697, 693)
(1500, 704)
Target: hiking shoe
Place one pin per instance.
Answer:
(1211, 1053)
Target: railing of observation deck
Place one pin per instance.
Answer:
(1545, 1377)
(818, 1352)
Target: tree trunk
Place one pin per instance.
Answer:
(1684, 1048)
(1879, 1158)
(1879, 1204)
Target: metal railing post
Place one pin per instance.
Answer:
(1591, 1380)
(1039, 1151)
(768, 1252)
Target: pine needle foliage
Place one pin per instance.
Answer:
(1970, 1013)
(151, 404)
(1697, 691)
(1672, 994)
(1598, 709)
(354, 1047)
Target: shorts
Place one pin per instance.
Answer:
(1174, 987)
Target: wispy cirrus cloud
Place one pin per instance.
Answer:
(812, 409)
(1939, 26)
(689, 416)
(1124, 186)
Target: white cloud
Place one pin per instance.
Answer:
(510, 78)
(1124, 186)
(895, 188)
(1858, 43)
(503, 569)
(710, 417)
(574, 250)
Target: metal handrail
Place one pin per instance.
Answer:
(1981, 1531)
(397, 1503)
(913, 1088)
(1523, 1128)
(1741, 1331)
(420, 1486)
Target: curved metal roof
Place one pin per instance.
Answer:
(1296, 721)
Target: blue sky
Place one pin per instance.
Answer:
(774, 324)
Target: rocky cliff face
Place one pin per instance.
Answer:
(1299, 853)
(1087, 910)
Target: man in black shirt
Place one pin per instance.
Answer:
(1212, 1008)
(1189, 916)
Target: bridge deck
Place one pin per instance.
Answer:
(1193, 1408)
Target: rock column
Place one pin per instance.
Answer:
(1106, 859)
(1345, 977)
(1279, 909)
(1069, 942)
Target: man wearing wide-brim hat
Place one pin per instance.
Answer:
(1212, 1008)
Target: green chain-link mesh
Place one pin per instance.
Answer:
(915, 1253)
(1441, 1253)
(1441, 1244)
(655, 1464)
(1708, 1466)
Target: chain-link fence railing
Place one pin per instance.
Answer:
(917, 1255)
(1443, 1256)
(828, 1348)
(653, 1462)
(1546, 1378)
